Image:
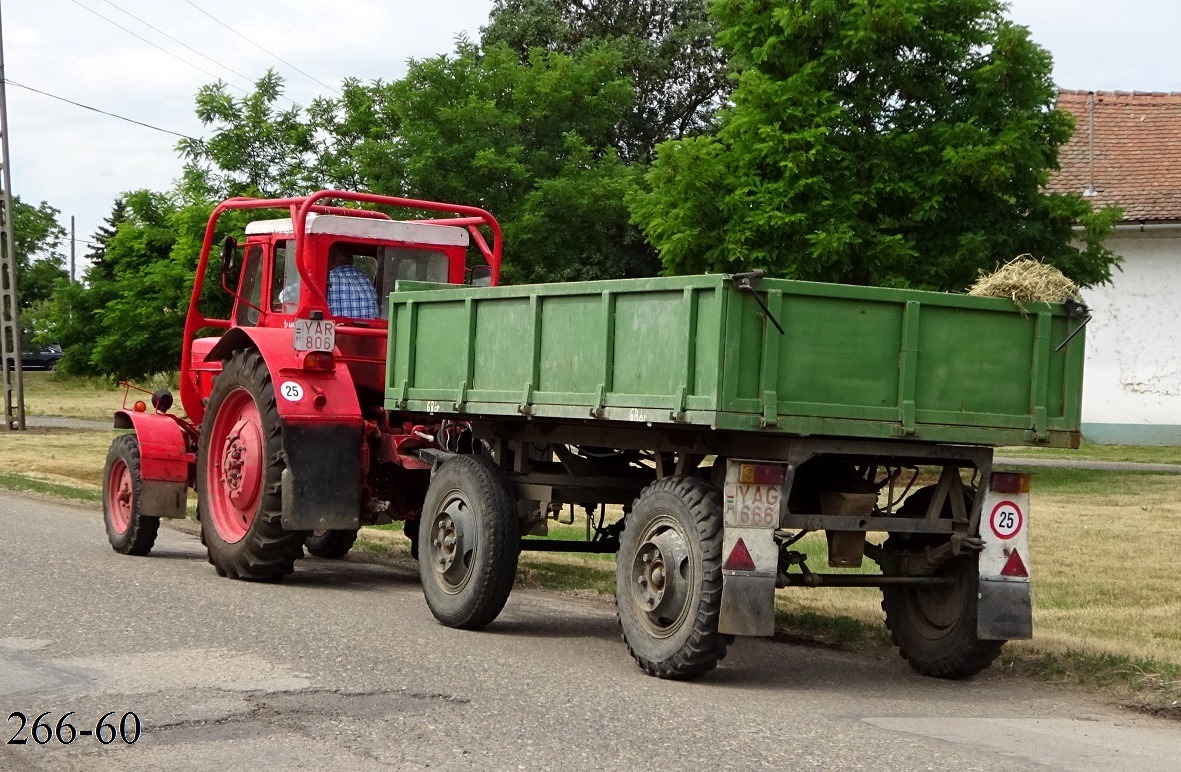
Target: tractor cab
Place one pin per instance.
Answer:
(354, 263)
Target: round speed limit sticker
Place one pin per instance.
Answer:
(1006, 520)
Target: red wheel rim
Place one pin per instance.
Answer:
(235, 466)
(120, 496)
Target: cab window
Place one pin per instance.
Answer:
(285, 284)
(250, 290)
(403, 264)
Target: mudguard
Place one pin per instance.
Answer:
(322, 431)
(1004, 606)
(164, 461)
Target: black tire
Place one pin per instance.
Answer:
(410, 528)
(934, 628)
(248, 541)
(129, 530)
(330, 544)
(671, 629)
(468, 542)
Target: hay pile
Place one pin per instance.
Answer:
(1025, 280)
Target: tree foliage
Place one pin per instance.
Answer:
(37, 240)
(126, 320)
(256, 148)
(893, 142)
(532, 142)
(666, 47)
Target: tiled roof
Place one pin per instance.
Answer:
(1137, 163)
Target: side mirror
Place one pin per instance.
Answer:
(481, 276)
(231, 268)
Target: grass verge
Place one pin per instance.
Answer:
(16, 482)
(1140, 454)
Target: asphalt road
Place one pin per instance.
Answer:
(343, 667)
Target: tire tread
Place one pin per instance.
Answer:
(705, 646)
(267, 552)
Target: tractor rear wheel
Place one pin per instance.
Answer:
(129, 530)
(239, 469)
(331, 544)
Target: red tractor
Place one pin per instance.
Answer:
(285, 438)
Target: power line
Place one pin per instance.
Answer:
(245, 78)
(178, 42)
(153, 45)
(11, 82)
(260, 48)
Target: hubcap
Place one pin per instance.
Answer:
(119, 496)
(940, 606)
(236, 466)
(453, 542)
(661, 578)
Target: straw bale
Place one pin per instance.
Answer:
(1025, 280)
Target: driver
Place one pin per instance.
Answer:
(350, 293)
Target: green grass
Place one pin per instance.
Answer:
(1086, 482)
(1141, 454)
(16, 482)
(94, 399)
(1157, 684)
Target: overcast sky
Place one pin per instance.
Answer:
(80, 161)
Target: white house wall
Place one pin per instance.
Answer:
(1132, 382)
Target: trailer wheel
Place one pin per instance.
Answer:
(668, 578)
(934, 628)
(468, 542)
(330, 544)
(239, 468)
(129, 530)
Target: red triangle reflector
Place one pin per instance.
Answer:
(1014, 566)
(740, 559)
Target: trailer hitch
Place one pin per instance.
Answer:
(745, 282)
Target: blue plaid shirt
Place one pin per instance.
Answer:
(350, 293)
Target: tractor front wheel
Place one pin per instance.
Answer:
(239, 470)
(129, 530)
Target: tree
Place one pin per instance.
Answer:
(255, 149)
(892, 142)
(531, 141)
(127, 320)
(101, 266)
(37, 239)
(666, 47)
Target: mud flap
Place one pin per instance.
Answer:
(160, 498)
(321, 487)
(1004, 611)
(753, 496)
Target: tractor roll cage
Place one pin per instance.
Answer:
(299, 208)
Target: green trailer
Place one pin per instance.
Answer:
(729, 416)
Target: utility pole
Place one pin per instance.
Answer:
(10, 322)
(73, 245)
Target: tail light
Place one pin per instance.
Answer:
(319, 360)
